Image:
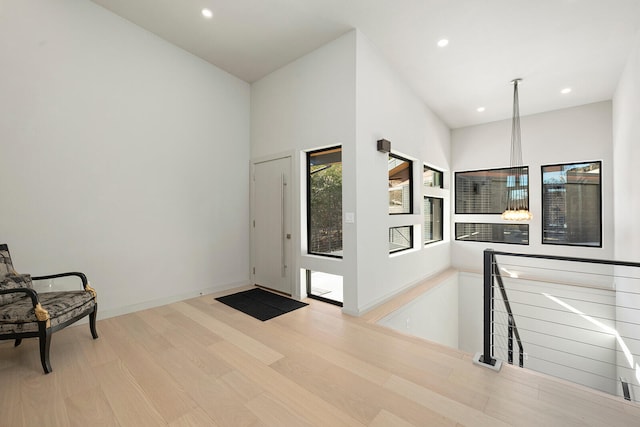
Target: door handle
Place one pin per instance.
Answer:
(282, 211)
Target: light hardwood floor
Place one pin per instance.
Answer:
(201, 363)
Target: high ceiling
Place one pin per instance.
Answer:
(551, 44)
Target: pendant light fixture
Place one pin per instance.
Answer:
(517, 180)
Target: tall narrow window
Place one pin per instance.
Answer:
(324, 202)
(571, 204)
(400, 185)
(432, 219)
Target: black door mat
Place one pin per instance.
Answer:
(261, 304)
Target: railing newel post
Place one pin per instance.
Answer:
(486, 357)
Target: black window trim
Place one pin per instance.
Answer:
(424, 165)
(455, 194)
(410, 162)
(455, 233)
(308, 179)
(542, 222)
(411, 239)
(425, 196)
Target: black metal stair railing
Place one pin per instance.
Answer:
(512, 329)
(492, 271)
(577, 317)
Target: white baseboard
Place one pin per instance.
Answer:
(126, 309)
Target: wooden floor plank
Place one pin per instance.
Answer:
(288, 392)
(11, 402)
(195, 418)
(232, 335)
(129, 402)
(449, 408)
(159, 387)
(222, 403)
(272, 413)
(41, 401)
(386, 418)
(90, 408)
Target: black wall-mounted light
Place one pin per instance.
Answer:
(384, 146)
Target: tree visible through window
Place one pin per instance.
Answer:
(324, 202)
(571, 204)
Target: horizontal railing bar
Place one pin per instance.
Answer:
(626, 322)
(574, 354)
(573, 340)
(586, 273)
(615, 291)
(574, 368)
(593, 316)
(563, 324)
(634, 385)
(572, 259)
(532, 356)
(510, 284)
(563, 298)
(516, 289)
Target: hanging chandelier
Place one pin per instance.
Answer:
(517, 180)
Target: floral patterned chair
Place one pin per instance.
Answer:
(25, 313)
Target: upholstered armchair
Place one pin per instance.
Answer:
(25, 313)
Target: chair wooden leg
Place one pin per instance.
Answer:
(18, 342)
(92, 322)
(45, 343)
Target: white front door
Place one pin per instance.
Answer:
(271, 225)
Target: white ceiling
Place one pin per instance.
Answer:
(551, 44)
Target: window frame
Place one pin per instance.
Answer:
(411, 184)
(501, 224)
(411, 239)
(542, 204)
(455, 195)
(308, 201)
(432, 169)
(441, 228)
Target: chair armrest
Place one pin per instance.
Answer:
(30, 293)
(41, 314)
(82, 277)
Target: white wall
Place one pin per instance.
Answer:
(309, 104)
(117, 151)
(564, 136)
(433, 315)
(387, 108)
(345, 93)
(470, 307)
(626, 152)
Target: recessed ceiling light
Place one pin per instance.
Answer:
(565, 91)
(443, 42)
(480, 109)
(207, 13)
